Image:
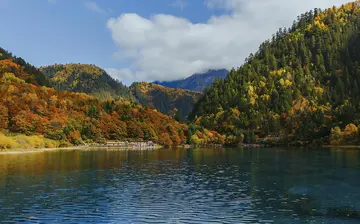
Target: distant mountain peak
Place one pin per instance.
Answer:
(196, 82)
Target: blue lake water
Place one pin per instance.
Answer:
(181, 186)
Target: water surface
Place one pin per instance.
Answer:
(181, 186)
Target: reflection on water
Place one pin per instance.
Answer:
(181, 186)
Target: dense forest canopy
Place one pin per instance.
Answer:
(301, 86)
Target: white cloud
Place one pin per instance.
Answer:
(165, 47)
(181, 4)
(93, 6)
(125, 75)
(120, 74)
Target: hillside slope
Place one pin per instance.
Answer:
(31, 109)
(25, 71)
(85, 78)
(197, 82)
(301, 87)
(177, 103)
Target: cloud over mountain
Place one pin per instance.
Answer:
(165, 47)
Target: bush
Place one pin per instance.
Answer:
(65, 144)
(75, 138)
(51, 143)
(348, 136)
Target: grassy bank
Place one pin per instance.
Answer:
(11, 142)
(19, 143)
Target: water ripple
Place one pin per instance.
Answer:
(180, 186)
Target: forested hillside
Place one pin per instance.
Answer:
(177, 103)
(84, 78)
(25, 71)
(196, 82)
(301, 87)
(30, 112)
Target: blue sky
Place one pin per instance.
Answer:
(63, 31)
(137, 40)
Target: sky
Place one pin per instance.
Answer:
(145, 40)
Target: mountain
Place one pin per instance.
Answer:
(300, 87)
(25, 71)
(33, 115)
(177, 103)
(196, 82)
(85, 78)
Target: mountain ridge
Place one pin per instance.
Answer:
(93, 80)
(85, 78)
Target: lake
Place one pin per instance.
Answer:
(181, 186)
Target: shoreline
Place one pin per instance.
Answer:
(84, 147)
(342, 146)
(24, 151)
(21, 151)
